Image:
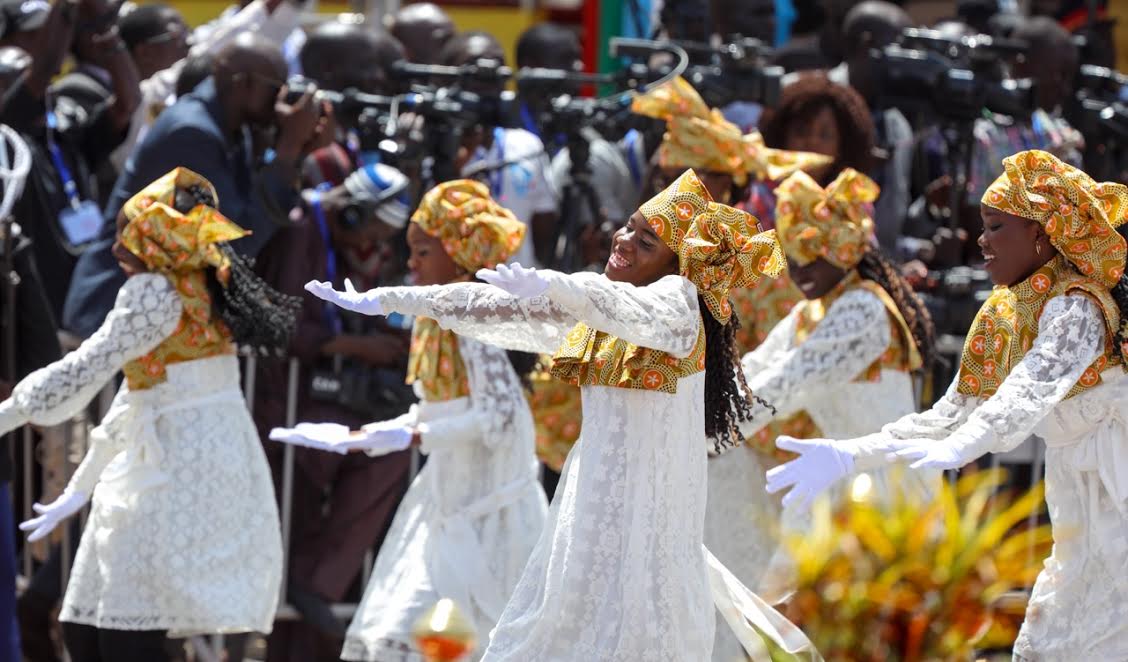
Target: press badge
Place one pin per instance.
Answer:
(81, 221)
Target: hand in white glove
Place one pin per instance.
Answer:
(365, 303)
(517, 280)
(929, 454)
(50, 515)
(821, 462)
(383, 438)
(320, 436)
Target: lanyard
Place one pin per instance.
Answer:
(632, 159)
(69, 185)
(332, 317)
(528, 121)
(496, 172)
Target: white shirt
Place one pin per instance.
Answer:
(515, 167)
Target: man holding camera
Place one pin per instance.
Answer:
(350, 371)
(212, 131)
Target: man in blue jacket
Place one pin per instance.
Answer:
(211, 131)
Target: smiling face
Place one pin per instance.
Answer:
(429, 263)
(638, 255)
(814, 279)
(1010, 246)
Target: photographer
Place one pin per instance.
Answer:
(615, 169)
(424, 30)
(512, 161)
(342, 504)
(210, 132)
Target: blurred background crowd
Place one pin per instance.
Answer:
(322, 124)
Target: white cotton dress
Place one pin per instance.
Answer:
(817, 376)
(468, 523)
(620, 572)
(1079, 605)
(183, 530)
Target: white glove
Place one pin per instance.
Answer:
(383, 438)
(320, 436)
(821, 462)
(365, 303)
(930, 454)
(517, 280)
(50, 515)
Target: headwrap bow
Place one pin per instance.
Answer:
(718, 247)
(832, 223)
(700, 138)
(475, 231)
(1079, 215)
(168, 241)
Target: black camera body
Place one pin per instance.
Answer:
(954, 79)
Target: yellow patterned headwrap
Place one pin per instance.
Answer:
(832, 223)
(1078, 214)
(476, 232)
(697, 137)
(718, 247)
(169, 241)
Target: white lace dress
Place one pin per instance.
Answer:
(620, 572)
(468, 523)
(1079, 606)
(183, 530)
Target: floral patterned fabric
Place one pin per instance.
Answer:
(181, 247)
(1006, 327)
(718, 247)
(1078, 214)
(476, 232)
(697, 137)
(833, 223)
(435, 362)
(557, 412)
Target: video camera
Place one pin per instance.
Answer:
(955, 79)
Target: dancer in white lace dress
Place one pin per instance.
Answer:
(739, 514)
(183, 530)
(473, 514)
(1044, 355)
(620, 572)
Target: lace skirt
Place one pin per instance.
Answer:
(619, 572)
(183, 533)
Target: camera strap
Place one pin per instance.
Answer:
(332, 315)
(496, 175)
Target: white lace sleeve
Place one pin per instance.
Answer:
(852, 336)
(1071, 335)
(498, 408)
(486, 313)
(1070, 338)
(146, 312)
(663, 315)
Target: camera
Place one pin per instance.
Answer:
(954, 79)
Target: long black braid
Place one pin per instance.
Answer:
(258, 316)
(727, 396)
(877, 267)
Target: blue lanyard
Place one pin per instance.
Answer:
(528, 121)
(69, 185)
(332, 316)
(632, 162)
(495, 174)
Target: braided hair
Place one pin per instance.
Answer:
(877, 267)
(727, 396)
(257, 315)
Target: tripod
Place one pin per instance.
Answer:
(579, 196)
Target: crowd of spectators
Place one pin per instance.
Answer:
(109, 95)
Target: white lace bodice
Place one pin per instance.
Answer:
(818, 375)
(661, 316)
